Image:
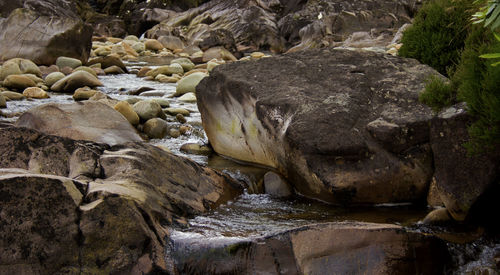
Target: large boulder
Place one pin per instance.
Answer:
(462, 179)
(331, 248)
(115, 220)
(281, 25)
(87, 120)
(39, 229)
(64, 34)
(324, 123)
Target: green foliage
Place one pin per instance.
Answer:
(438, 33)
(489, 14)
(438, 93)
(478, 85)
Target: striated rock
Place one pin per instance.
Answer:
(86, 120)
(331, 248)
(188, 83)
(313, 128)
(113, 222)
(74, 81)
(461, 179)
(64, 34)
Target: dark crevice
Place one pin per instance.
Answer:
(150, 224)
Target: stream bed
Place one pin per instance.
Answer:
(256, 215)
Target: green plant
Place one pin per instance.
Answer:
(477, 83)
(438, 93)
(438, 34)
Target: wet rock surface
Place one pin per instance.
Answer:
(456, 186)
(315, 129)
(114, 220)
(333, 248)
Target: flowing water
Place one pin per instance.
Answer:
(254, 214)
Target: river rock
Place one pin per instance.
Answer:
(64, 61)
(64, 34)
(9, 68)
(148, 109)
(52, 78)
(20, 82)
(330, 248)
(171, 42)
(74, 81)
(84, 93)
(139, 47)
(87, 120)
(155, 128)
(195, 148)
(3, 102)
(128, 112)
(186, 64)
(461, 179)
(313, 129)
(108, 61)
(188, 84)
(218, 53)
(153, 45)
(13, 95)
(166, 70)
(114, 70)
(26, 66)
(87, 69)
(174, 111)
(274, 185)
(35, 92)
(188, 97)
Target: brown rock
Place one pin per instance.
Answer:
(87, 120)
(20, 82)
(153, 45)
(155, 128)
(128, 112)
(35, 92)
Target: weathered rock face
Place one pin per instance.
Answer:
(332, 248)
(112, 221)
(88, 120)
(280, 25)
(64, 34)
(316, 117)
(461, 179)
(38, 223)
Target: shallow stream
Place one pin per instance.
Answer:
(252, 214)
